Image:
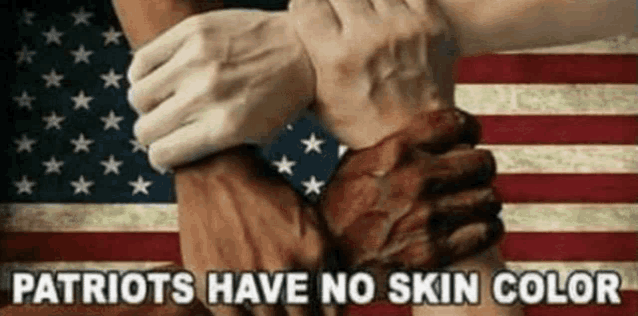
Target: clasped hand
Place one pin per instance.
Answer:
(217, 80)
(224, 78)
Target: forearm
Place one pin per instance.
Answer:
(497, 25)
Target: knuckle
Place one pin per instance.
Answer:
(135, 97)
(198, 46)
(192, 23)
(141, 131)
(133, 73)
(157, 156)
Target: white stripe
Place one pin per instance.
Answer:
(543, 217)
(564, 159)
(547, 99)
(85, 217)
(613, 45)
(163, 218)
(628, 271)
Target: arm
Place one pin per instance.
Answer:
(497, 25)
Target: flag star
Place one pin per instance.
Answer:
(111, 79)
(81, 17)
(140, 185)
(111, 165)
(53, 36)
(313, 185)
(25, 55)
(111, 36)
(53, 79)
(284, 165)
(342, 150)
(24, 143)
(312, 144)
(53, 120)
(81, 144)
(81, 186)
(137, 146)
(53, 166)
(111, 121)
(24, 100)
(81, 55)
(27, 17)
(81, 100)
(24, 185)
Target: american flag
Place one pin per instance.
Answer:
(562, 123)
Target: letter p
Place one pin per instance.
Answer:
(21, 283)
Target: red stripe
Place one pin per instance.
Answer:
(629, 307)
(548, 69)
(568, 188)
(570, 246)
(165, 246)
(560, 129)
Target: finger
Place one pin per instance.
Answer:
(167, 117)
(437, 131)
(470, 240)
(468, 207)
(147, 93)
(160, 49)
(190, 143)
(210, 24)
(458, 170)
(475, 203)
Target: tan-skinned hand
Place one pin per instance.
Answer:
(378, 63)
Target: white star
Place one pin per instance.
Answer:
(312, 144)
(111, 78)
(140, 185)
(289, 127)
(25, 55)
(81, 55)
(111, 121)
(81, 144)
(81, 100)
(24, 100)
(81, 17)
(342, 150)
(27, 16)
(24, 143)
(53, 120)
(313, 185)
(284, 166)
(24, 185)
(53, 166)
(53, 36)
(53, 79)
(111, 165)
(137, 146)
(81, 186)
(111, 36)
